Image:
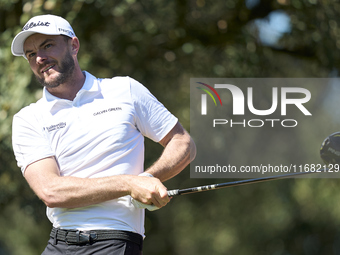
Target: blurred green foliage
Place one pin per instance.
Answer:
(162, 44)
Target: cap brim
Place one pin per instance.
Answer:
(18, 42)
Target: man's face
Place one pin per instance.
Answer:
(50, 58)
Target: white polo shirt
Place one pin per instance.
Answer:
(100, 133)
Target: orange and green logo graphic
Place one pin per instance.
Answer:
(204, 97)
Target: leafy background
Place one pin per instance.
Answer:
(163, 44)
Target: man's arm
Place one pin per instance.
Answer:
(71, 192)
(179, 151)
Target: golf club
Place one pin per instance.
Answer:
(329, 153)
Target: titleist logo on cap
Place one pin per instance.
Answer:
(33, 24)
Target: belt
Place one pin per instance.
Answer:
(91, 236)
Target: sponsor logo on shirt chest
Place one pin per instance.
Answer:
(112, 109)
(55, 127)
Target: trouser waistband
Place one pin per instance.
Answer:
(83, 237)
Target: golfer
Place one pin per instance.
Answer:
(81, 146)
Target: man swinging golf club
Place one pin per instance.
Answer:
(80, 147)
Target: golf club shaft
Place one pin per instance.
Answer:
(178, 192)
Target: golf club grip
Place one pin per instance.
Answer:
(174, 192)
(178, 192)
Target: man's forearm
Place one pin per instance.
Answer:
(70, 192)
(73, 192)
(179, 151)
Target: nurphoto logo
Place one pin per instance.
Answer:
(255, 127)
(280, 99)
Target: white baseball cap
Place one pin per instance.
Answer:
(43, 24)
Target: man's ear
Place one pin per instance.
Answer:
(75, 45)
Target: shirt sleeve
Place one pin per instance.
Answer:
(29, 142)
(152, 117)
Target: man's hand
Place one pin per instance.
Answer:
(148, 190)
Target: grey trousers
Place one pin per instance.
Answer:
(107, 247)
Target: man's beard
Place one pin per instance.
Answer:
(66, 70)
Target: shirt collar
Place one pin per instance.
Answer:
(90, 85)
